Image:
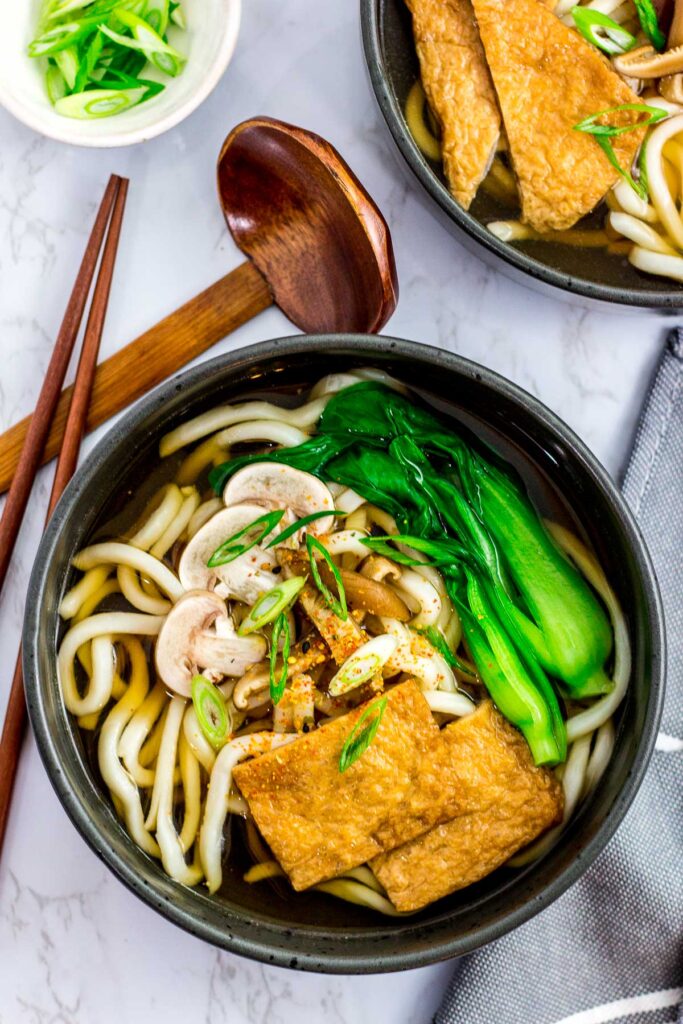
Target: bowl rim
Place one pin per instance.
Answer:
(521, 261)
(58, 128)
(263, 948)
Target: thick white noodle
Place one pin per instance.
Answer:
(632, 203)
(178, 524)
(415, 589)
(656, 263)
(114, 774)
(346, 542)
(215, 810)
(600, 756)
(205, 512)
(162, 516)
(135, 595)
(430, 669)
(277, 431)
(642, 234)
(172, 854)
(347, 500)
(358, 892)
(115, 553)
(197, 741)
(597, 714)
(660, 194)
(305, 417)
(102, 625)
(136, 734)
(86, 587)
(456, 704)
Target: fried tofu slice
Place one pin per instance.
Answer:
(320, 822)
(547, 79)
(502, 801)
(459, 90)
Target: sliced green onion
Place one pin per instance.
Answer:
(156, 14)
(362, 734)
(68, 63)
(649, 22)
(89, 61)
(591, 127)
(438, 642)
(164, 56)
(277, 685)
(229, 550)
(178, 16)
(59, 38)
(363, 664)
(55, 84)
(269, 605)
(99, 102)
(441, 552)
(337, 604)
(211, 710)
(382, 546)
(601, 31)
(299, 524)
(602, 133)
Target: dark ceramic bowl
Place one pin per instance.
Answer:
(593, 274)
(312, 931)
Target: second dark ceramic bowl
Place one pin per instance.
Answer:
(592, 274)
(312, 931)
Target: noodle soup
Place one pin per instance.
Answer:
(244, 614)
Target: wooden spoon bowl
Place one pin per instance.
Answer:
(299, 212)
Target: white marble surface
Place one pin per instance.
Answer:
(75, 946)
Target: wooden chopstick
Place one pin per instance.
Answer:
(15, 718)
(32, 450)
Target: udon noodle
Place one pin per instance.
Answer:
(170, 786)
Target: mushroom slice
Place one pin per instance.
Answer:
(369, 595)
(276, 486)
(197, 635)
(246, 577)
(646, 62)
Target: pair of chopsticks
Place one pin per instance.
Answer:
(108, 221)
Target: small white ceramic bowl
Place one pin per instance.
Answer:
(208, 42)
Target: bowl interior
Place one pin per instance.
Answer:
(311, 930)
(208, 43)
(394, 68)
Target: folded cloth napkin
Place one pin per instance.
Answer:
(611, 948)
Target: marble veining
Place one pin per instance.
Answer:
(76, 947)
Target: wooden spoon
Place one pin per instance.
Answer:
(318, 246)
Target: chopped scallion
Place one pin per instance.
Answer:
(293, 528)
(211, 710)
(363, 664)
(362, 734)
(601, 31)
(337, 604)
(278, 684)
(602, 133)
(255, 532)
(270, 604)
(649, 22)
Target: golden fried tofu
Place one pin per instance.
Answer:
(458, 87)
(501, 801)
(547, 79)
(318, 821)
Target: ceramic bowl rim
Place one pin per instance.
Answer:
(263, 949)
(524, 264)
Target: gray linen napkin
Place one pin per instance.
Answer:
(611, 948)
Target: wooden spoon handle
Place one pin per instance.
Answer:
(155, 355)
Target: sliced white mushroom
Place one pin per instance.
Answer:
(276, 486)
(247, 576)
(197, 636)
